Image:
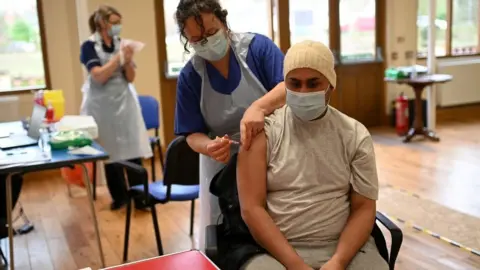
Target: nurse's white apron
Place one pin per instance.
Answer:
(115, 107)
(222, 114)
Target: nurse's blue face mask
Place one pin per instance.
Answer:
(115, 30)
(115, 26)
(213, 48)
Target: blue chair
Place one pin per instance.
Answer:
(180, 183)
(150, 111)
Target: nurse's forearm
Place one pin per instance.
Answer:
(102, 74)
(198, 142)
(129, 72)
(272, 100)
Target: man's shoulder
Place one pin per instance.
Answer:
(344, 119)
(347, 123)
(276, 117)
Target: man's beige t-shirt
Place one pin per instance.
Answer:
(312, 166)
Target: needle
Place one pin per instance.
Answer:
(235, 142)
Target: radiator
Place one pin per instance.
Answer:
(465, 86)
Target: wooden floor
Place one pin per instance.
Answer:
(446, 172)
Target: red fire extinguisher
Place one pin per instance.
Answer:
(401, 113)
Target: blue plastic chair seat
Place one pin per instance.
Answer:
(177, 192)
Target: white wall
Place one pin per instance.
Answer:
(401, 20)
(401, 24)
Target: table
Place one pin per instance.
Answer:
(418, 84)
(192, 259)
(60, 159)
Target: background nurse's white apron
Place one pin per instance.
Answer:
(222, 114)
(115, 107)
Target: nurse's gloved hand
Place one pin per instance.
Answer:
(127, 54)
(252, 123)
(219, 149)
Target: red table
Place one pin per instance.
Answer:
(192, 259)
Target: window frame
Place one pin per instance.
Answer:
(449, 36)
(43, 43)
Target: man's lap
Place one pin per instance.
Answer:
(367, 258)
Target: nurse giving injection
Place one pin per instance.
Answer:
(224, 92)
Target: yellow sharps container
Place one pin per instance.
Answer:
(56, 99)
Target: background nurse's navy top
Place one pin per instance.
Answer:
(88, 55)
(264, 59)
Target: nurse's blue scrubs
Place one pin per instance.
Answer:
(209, 103)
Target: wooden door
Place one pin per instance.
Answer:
(357, 33)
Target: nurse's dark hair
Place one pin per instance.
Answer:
(194, 8)
(102, 13)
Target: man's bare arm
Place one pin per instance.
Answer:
(358, 228)
(252, 191)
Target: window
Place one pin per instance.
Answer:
(456, 23)
(440, 28)
(243, 16)
(21, 57)
(357, 26)
(465, 27)
(309, 20)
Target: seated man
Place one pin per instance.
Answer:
(308, 185)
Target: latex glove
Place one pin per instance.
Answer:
(127, 53)
(136, 46)
(219, 149)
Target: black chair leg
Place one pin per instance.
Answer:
(152, 160)
(94, 191)
(127, 230)
(3, 257)
(160, 152)
(157, 230)
(192, 216)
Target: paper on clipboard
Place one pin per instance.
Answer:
(136, 46)
(22, 156)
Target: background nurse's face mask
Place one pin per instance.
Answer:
(307, 106)
(215, 48)
(115, 30)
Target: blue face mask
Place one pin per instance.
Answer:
(307, 106)
(215, 48)
(115, 30)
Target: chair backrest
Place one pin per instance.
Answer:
(181, 164)
(150, 111)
